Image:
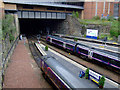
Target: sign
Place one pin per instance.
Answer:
(91, 33)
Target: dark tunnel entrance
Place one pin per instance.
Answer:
(38, 26)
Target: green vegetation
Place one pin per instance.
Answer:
(87, 73)
(114, 31)
(8, 27)
(75, 14)
(114, 24)
(119, 19)
(93, 21)
(111, 18)
(46, 48)
(84, 35)
(75, 39)
(101, 82)
(109, 37)
(96, 18)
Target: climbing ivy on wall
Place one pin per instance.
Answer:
(8, 27)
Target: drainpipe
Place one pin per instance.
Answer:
(104, 8)
(96, 8)
(109, 8)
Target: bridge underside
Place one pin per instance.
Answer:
(41, 15)
(39, 26)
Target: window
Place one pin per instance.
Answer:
(69, 46)
(58, 42)
(50, 73)
(105, 59)
(59, 84)
(83, 51)
(48, 39)
(97, 56)
(114, 62)
(116, 9)
(45, 67)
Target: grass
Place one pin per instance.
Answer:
(109, 37)
(92, 21)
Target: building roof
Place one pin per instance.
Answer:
(38, 2)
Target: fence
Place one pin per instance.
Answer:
(8, 49)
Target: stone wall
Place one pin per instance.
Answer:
(71, 26)
(7, 48)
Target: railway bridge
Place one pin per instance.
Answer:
(40, 10)
(40, 17)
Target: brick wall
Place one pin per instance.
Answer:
(90, 9)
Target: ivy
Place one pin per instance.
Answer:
(11, 37)
(8, 27)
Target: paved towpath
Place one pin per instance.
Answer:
(22, 71)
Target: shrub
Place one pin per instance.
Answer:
(73, 14)
(46, 48)
(84, 35)
(75, 39)
(98, 37)
(87, 73)
(77, 14)
(96, 18)
(110, 18)
(11, 37)
(119, 19)
(103, 19)
(102, 82)
(114, 32)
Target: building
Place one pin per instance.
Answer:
(102, 9)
